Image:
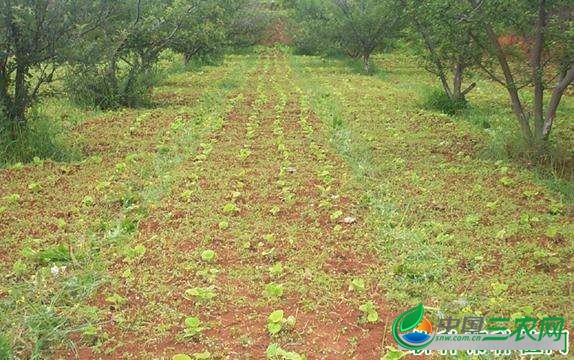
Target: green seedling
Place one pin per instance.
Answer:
(135, 253)
(202, 295)
(336, 215)
(369, 311)
(244, 154)
(34, 187)
(116, 300)
(230, 208)
(275, 210)
(357, 284)
(556, 208)
(37, 161)
(193, 327)
(506, 181)
(223, 225)
(277, 322)
(12, 198)
(275, 352)
(276, 270)
(17, 166)
(270, 238)
(19, 268)
(186, 194)
(181, 357)
(273, 290)
(121, 168)
(61, 224)
(394, 354)
(88, 200)
(208, 255)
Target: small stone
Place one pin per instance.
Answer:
(349, 220)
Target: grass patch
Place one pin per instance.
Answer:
(42, 138)
(436, 99)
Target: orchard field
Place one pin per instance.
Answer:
(270, 204)
(274, 182)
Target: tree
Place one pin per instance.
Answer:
(36, 37)
(363, 26)
(448, 48)
(312, 33)
(120, 70)
(204, 32)
(249, 22)
(546, 28)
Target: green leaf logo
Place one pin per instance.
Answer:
(407, 321)
(411, 318)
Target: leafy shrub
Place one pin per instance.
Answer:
(91, 87)
(439, 100)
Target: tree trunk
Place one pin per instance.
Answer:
(510, 84)
(366, 65)
(187, 58)
(555, 101)
(457, 82)
(537, 72)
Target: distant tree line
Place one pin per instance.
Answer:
(107, 50)
(455, 38)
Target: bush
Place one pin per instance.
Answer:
(439, 100)
(41, 138)
(92, 87)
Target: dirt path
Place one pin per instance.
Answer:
(278, 209)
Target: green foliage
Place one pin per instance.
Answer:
(37, 38)
(193, 327)
(208, 255)
(273, 290)
(230, 208)
(369, 311)
(181, 357)
(356, 28)
(275, 352)
(445, 45)
(5, 350)
(90, 86)
(277, 322)
(53, 254)
(394, 354)
(202, 294)
(357, 284)
(440, 101)
(40, 138)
